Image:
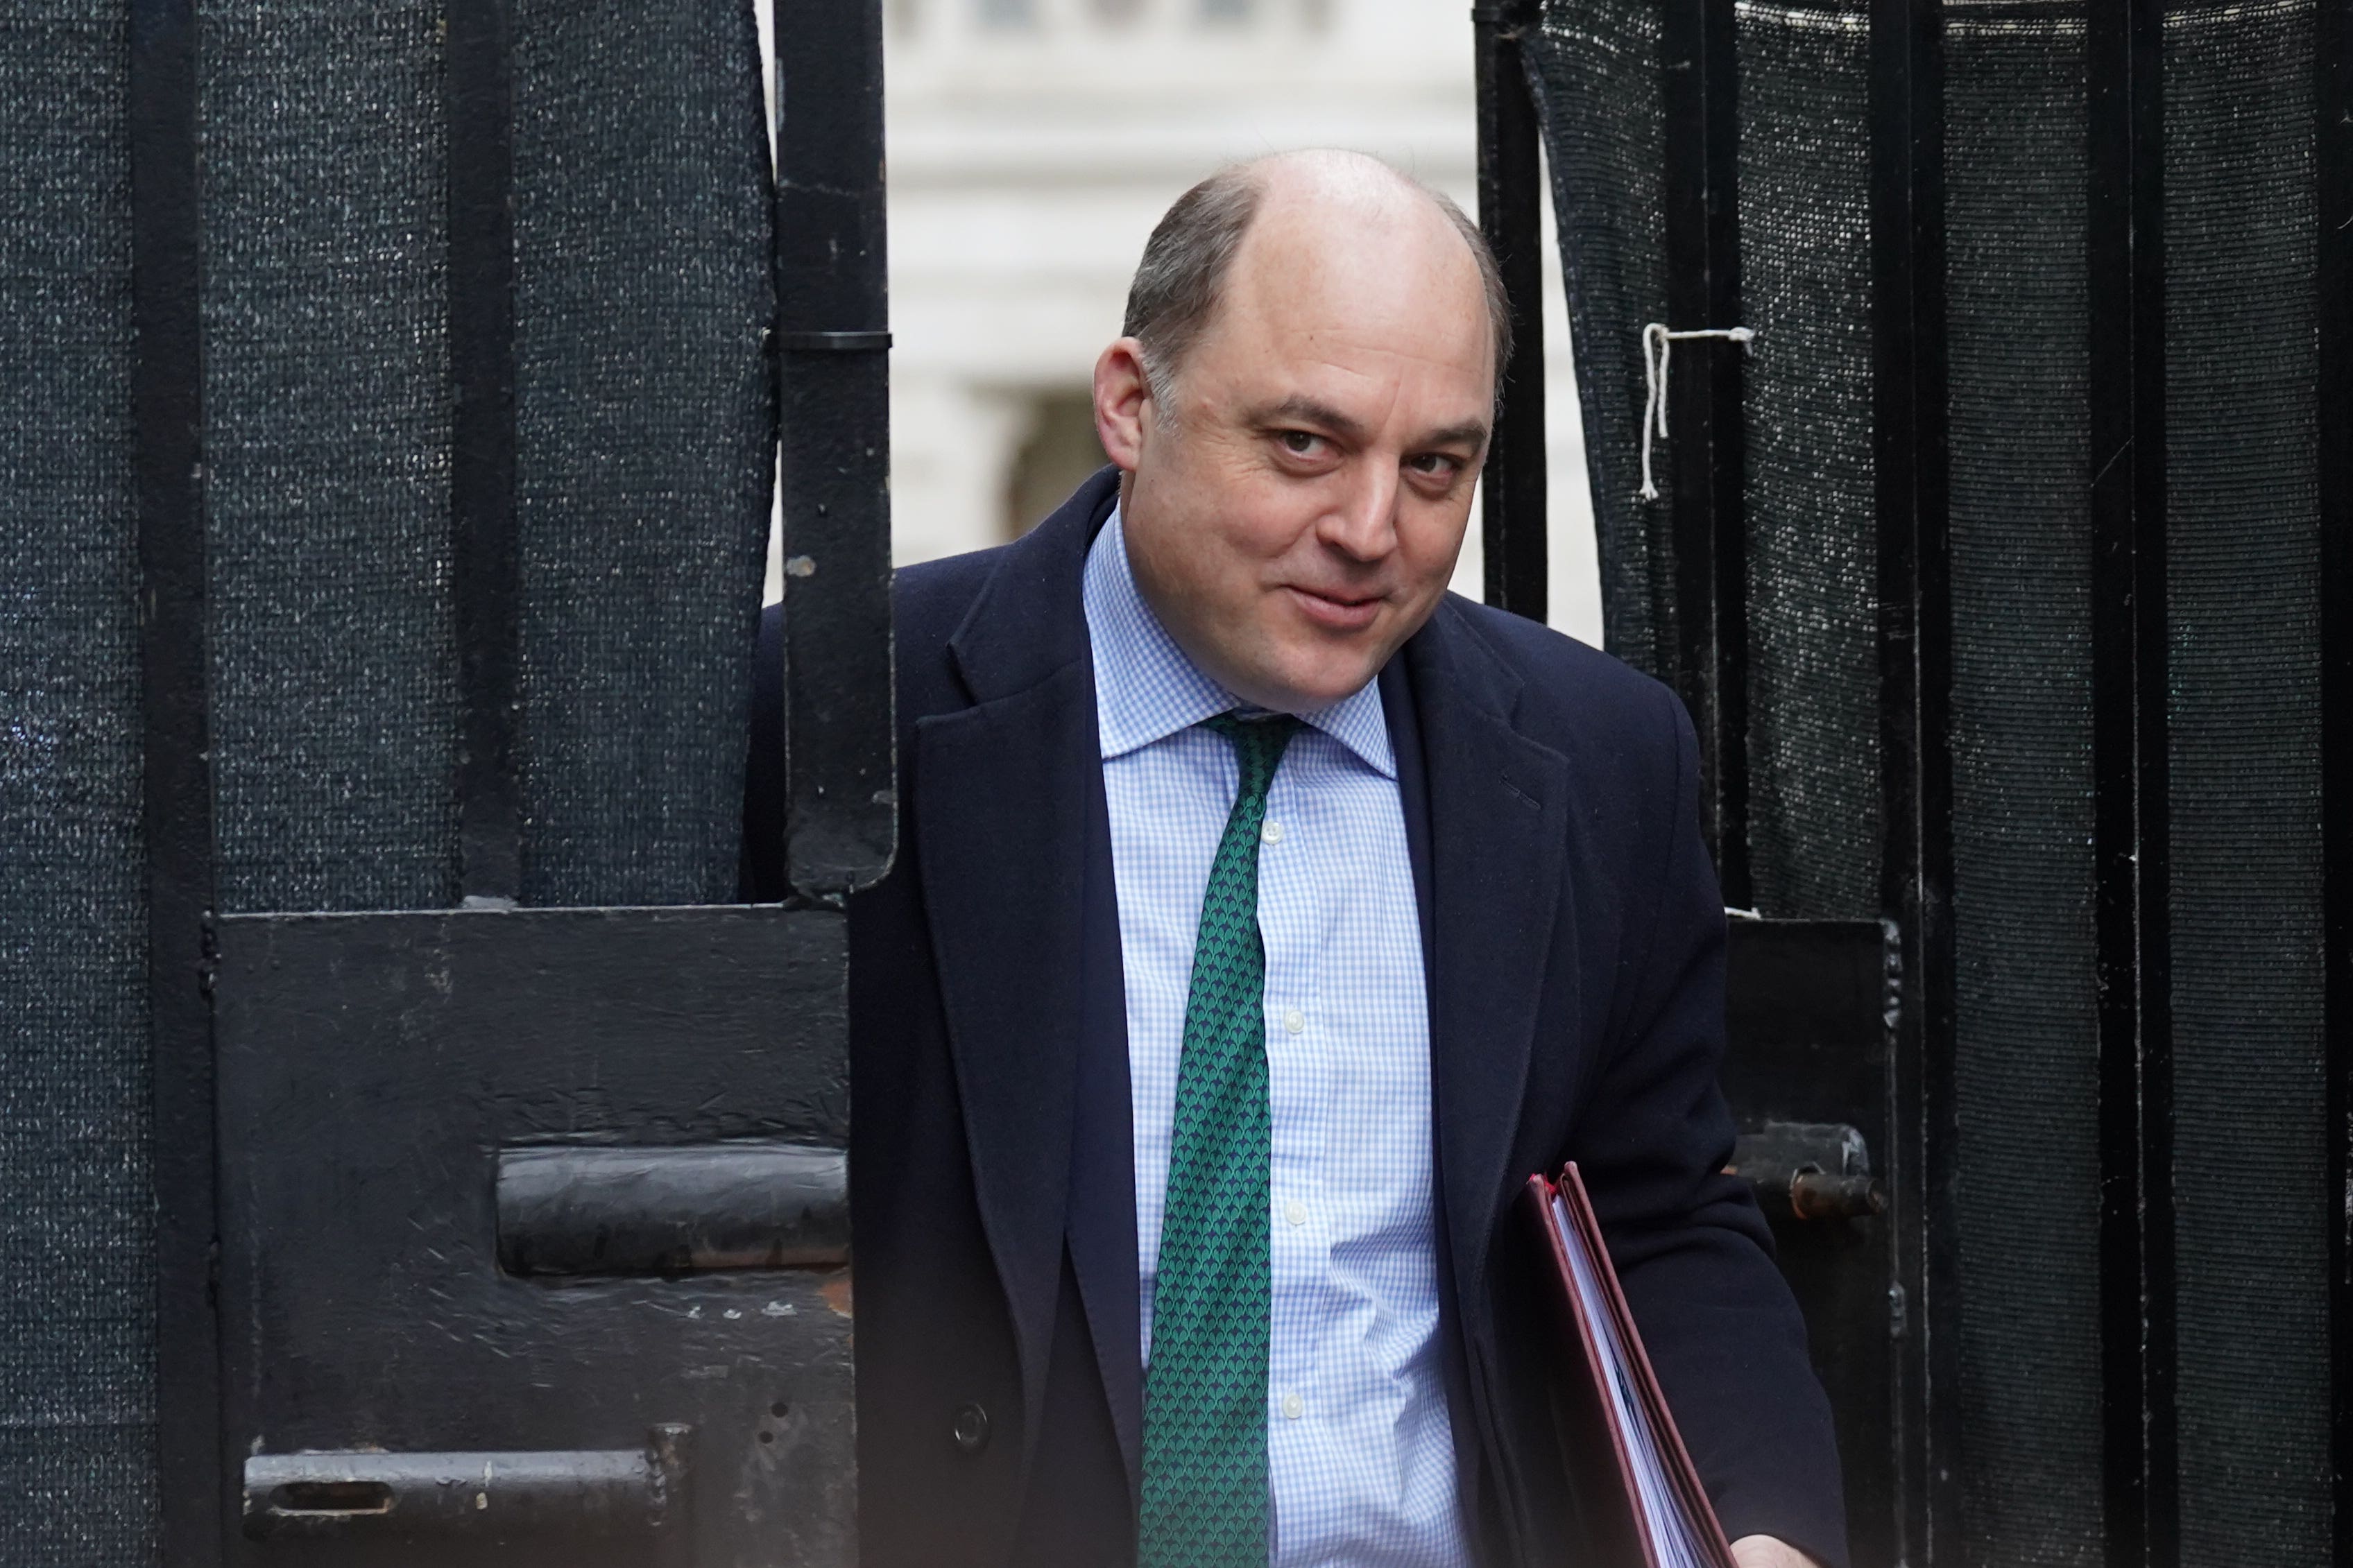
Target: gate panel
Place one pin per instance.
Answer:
(2026, 1050)
(1594, 70)
(77, 1247)
(645, 440)
(2243, 558)
(2108, 334)
(1810, 1059)
(327, 409)
(545, 1210)
(1810, 663)
(243, 210)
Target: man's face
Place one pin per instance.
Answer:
(1296, 515)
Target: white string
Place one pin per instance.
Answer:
(1656, 343)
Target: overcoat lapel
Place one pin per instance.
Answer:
(1005, 791)
(1498, 805)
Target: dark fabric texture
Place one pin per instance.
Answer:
(2243, 664)
(2027, 1219)
(645, 439)
(77, 1257)
(326, 440)
(645, 432)
(1577, 1008)
(1803, 197)
(1594, 66)
(1813, 607)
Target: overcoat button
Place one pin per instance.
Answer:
(972, 1429)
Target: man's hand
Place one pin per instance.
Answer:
(1765, 1552)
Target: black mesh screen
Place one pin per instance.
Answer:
(2242, 536)
(643, 290)
(77, 1262)
(1805, 261)
(326, 389)
(1595, 70)
(1805, 286)
(2026, 1073)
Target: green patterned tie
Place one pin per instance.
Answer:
(1205, 1391)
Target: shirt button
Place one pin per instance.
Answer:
(1295, 1212)
(1294, 1407)
(1294, 1021)
(1272, 833)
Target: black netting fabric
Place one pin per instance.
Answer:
(2026, 1071)
(1805, 286)
(326, 388)
(1594, 67)
(643, 290)
(643, 465)
(1805, 259)
(2243, 565)
(77, 1262)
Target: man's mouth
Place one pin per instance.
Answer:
(1339, 612)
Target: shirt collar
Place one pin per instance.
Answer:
(1148, 689)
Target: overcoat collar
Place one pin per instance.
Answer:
(1499, 828)
(1006, 791)
(1497, 822)
(1007, 794)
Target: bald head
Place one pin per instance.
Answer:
(1349, 218)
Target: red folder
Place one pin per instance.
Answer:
(1635, 1489)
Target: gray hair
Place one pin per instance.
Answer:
(1182, 277)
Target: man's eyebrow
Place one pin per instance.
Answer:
(1308, 410)
(1469, 433)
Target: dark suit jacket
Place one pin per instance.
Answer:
(1574, 939)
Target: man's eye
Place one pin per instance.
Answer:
(1437, 464)
(1299, 443)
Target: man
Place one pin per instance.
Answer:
(1263, 917)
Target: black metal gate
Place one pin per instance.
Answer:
(415, 1155)
(2004, 570)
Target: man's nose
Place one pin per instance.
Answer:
(1364, 522)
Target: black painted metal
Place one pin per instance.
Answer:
(1807, 1012)
(1514, 498)
(1910, 469)
(2333, 155)
(1700, 87)
(567, 1212)
(836, 343)
(2130, 840)
(478, 86)
(1813, 1171)
(168, 410)
(372, 1069)
(834, 409)
(362, 1496)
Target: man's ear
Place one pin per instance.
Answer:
(1122, 393)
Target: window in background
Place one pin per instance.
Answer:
(1057, 451)
(1007, 14)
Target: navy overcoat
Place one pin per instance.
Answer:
(1574, 939)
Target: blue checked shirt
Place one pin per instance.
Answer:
(1360, 1455)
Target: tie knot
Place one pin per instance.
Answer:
(1257, 747)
